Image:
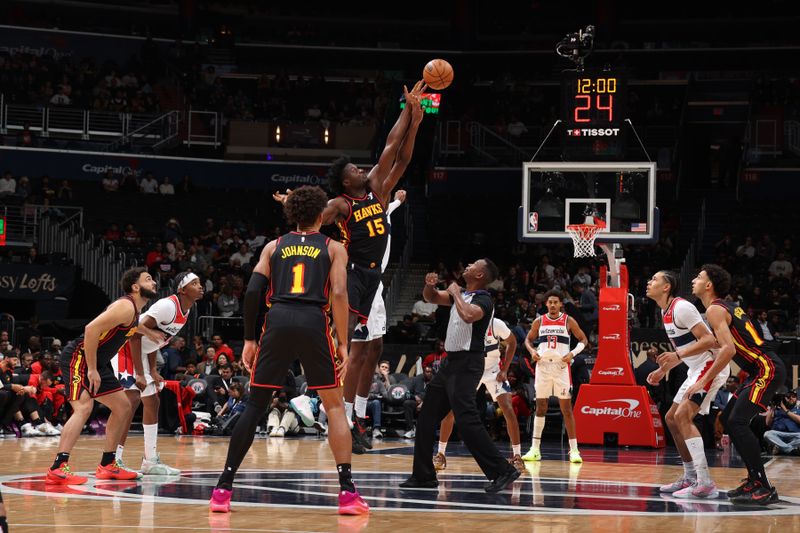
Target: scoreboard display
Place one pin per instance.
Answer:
(593, 113)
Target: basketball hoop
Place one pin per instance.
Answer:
(583, 236)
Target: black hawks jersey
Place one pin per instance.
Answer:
(114, 339)
(750, 354)
(365, 231)
(300, 269)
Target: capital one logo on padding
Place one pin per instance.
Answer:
(620, 408)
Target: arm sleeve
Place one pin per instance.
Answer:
(252, 297)
(394, 204)
(686, 315)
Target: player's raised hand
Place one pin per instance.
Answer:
(281, 197)
(419, 88)
(400, 195)
(431, 279)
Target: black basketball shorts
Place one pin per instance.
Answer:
(362, 284)
(292, 332)
(73, 367)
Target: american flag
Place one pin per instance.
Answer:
(639, 227)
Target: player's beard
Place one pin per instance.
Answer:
(147, 293)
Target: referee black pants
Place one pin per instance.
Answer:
(453, 387)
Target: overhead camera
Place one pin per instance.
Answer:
(577, 46)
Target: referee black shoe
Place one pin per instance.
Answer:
(414, 483)
(503, 481)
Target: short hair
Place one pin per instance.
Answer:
(130, 277)
(554, 293)
(335, 172)
(672, 278)
(305, 204)
(492, 272)
(719, 277)
(237, 387)
(385, 361)
(226, 366)
(45, 376)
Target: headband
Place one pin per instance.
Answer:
(187, 280)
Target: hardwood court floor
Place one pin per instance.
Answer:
(289, 485)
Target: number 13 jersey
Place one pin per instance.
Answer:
(300, 269)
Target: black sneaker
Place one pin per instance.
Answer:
(414, 483)
(360, 433)
(760, 495)
(503, 481)
(746, 486)
(358, 449)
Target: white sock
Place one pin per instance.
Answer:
(348, 410)
(120, 449)
(442, 447)
(150, 438)
(361, 406)
(538, 427)
(699, 462)
(516, 449)
(689, 472)
(573, 445)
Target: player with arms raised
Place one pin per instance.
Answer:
(551, 333)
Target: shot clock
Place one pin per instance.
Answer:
(593, 113)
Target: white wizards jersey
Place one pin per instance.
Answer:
(679, 319)
(498, 331)
(169, 320)
(553, 334)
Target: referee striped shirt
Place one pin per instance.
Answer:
(463, 337)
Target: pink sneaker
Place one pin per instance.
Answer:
(221, 501)
(680, 483)
(352, 503)
(705, 490)
(686, 492)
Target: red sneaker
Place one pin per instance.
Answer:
(63, 476)
(115, 471)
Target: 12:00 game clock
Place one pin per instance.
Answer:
(593, 113)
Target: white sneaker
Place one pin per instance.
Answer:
(273, 432)
(376, 433)
(410, 434)
(28, 430)
(685, 492)
(48, 429)
(280, 432)
(157, 468)
(59, 428)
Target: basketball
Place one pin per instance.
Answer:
(438, 74)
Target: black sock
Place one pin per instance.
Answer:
(346, 477)
(61, 458)
(761, 476)
(108, 458)
(226, 479)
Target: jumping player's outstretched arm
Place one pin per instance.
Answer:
(431, 294)
(583, 342)
(405, 153)
(336, 209)
(339, 300)
(719, 320)
(119, 313)
(379, 173)
(256, 286)
(531, 337)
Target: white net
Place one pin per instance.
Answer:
(583, 236)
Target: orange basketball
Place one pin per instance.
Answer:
(438, 74)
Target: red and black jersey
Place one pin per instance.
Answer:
(365, 231)
(114, 339)
(750, 354)
(300, 269)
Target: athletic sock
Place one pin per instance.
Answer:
(226, 478)
(120, 449)
(442, 447)
(516, 449)
(538, 428)
(689, 472)
(61, 458)
(348, 410)
(761, 476)
(3, 524)
(573, 445)
(361, 407)
(345, 477)
(695, 446)
(150, 439)
(108, 458)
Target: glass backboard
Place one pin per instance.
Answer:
(555, 195)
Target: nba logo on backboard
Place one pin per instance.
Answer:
(533, 221)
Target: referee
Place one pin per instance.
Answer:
(454, 385)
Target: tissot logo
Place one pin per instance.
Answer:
(612, 307)
(593, 132)
(612, 337)
(612, 371)
(625, 408)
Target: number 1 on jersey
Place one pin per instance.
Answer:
(298, 279)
